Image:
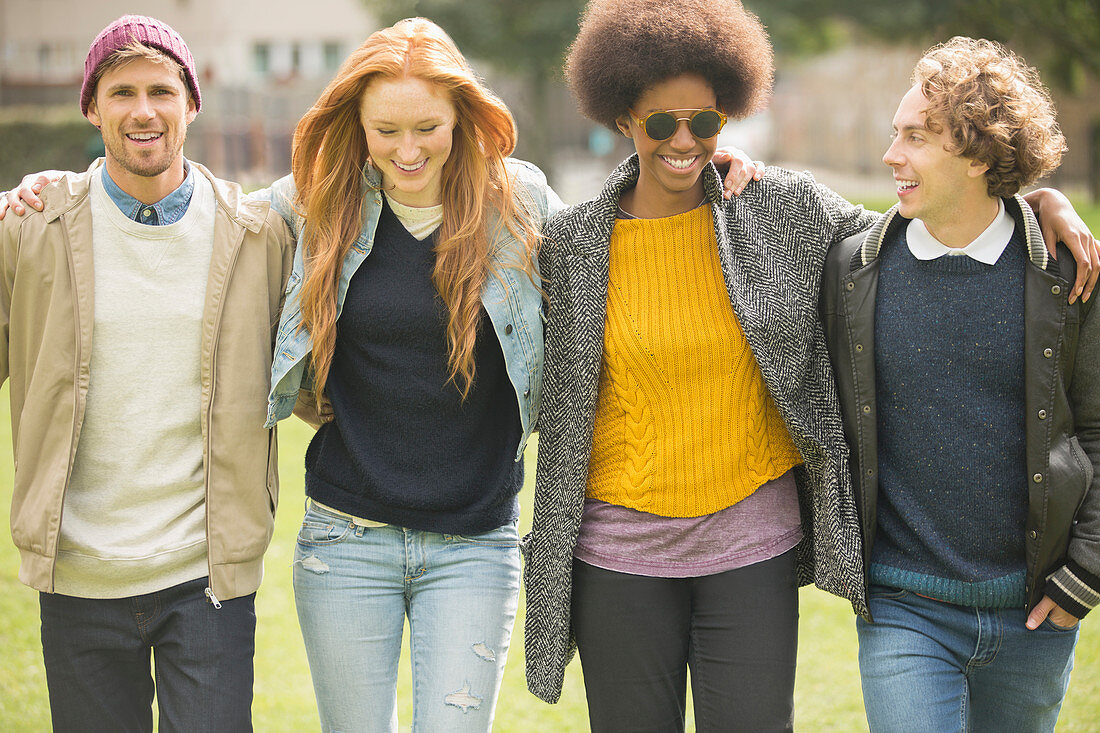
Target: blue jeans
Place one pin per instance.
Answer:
(96, 653)
(355, 586)
(933, 667)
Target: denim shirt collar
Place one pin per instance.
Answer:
(168, 210)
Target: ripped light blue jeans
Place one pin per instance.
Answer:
(355, 585)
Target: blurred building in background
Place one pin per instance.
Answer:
(263, 62)
(833, 114)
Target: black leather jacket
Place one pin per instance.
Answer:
(1062, 400)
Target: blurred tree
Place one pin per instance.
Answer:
(1060, 36)
(525, 37)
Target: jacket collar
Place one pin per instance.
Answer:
(1016, 207)
(605, 207)
(61, 196)
(372, 178)
(625, 177)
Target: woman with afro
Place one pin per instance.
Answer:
(692, 467)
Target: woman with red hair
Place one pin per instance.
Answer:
(412, 334)
(413, 322)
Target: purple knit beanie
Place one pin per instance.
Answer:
(140, 28)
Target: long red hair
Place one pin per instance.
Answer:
(327, 160)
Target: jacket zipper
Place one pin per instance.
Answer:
(78, 412)
(208, 418)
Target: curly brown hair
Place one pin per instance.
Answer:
(626, 46)
(996, 108)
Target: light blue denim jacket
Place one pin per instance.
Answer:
(513, 302)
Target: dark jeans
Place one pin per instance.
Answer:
(737, 631)
(97, 661)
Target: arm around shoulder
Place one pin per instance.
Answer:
(282, 232)
(281, 195)
(798, 194)
(848, 218)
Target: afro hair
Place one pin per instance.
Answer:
(626, 46)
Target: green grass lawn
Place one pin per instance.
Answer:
(827, 694)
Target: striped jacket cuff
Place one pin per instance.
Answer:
(1073, 588)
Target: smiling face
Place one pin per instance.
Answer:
(670, 181)
(934, 185)
(142, 109)
(409, 124)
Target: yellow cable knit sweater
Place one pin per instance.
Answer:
(684, 424)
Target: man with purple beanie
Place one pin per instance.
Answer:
(136, 327)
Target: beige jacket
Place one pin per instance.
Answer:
(46, 318)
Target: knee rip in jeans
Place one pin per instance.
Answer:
(484, 652)
(313, 564)
(463, 699)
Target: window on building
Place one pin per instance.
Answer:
(261, 58)
(332, 56)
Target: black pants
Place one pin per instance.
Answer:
(737, 632)
(97, 661)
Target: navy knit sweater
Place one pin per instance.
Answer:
(949, 340)
(404, 448)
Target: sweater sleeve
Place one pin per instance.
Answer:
(846, 217)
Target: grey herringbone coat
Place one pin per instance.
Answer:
(772, 242)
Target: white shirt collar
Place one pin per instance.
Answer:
(986, 247)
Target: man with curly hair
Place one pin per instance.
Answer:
(972, 408)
